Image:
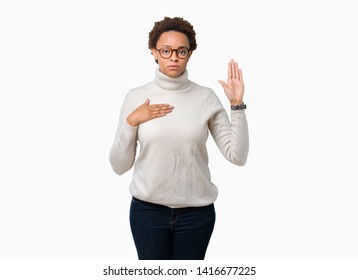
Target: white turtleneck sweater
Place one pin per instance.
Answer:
(171, 168)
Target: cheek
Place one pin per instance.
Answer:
(185, 63)
(161, 62)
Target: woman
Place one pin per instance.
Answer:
(172, 213)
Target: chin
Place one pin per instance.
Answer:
(173, 74)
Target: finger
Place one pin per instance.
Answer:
(241, 76)
(161, 110)
(159, 114)
(161, 106)
(146, 102)
(229, 72)
(165, 109)
(232, 64)
(223, 84)
(237, 75)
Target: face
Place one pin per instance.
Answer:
(173, 66)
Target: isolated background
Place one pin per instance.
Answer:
(65, 67)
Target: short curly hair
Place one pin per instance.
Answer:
(172, 24)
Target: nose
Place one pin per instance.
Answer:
(174, 56)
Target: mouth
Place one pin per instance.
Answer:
(173, 67)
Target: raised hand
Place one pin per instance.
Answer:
(146, 112)
(234, 88)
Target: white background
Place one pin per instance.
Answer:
(65, 67)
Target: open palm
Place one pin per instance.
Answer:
(234, 88)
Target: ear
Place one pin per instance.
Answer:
(154, 53)
(190, 53)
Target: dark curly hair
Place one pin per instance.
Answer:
(172, 24)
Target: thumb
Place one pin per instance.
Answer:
(224, 85)
(146, 102)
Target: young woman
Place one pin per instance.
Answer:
(172, 213)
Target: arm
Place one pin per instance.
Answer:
(232, 138)
(123, 151)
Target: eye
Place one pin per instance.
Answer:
(182, 52)
(165, 51)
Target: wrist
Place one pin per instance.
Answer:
(236, 102)
(242, 106)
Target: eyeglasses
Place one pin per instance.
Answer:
(166, 52)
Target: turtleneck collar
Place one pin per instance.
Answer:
(168, 83)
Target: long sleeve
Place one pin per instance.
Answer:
(172, 165)
(231, 138)
(123, 151)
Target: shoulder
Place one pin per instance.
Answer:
(140, 89)
(134, 97)
(139, 92)
(206, 91)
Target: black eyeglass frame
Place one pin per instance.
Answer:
(172, 51)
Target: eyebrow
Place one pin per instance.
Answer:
(178, 47)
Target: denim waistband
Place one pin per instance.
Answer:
(163, 206)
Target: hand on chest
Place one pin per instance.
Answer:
(187, 122)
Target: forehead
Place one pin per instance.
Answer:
(173, 39)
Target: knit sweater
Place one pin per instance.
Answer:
(171, 167)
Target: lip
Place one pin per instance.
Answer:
(173, 66)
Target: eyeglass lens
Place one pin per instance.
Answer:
(167, 52)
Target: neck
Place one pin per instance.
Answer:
(168, 83)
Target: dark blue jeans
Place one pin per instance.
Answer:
(163, 233)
